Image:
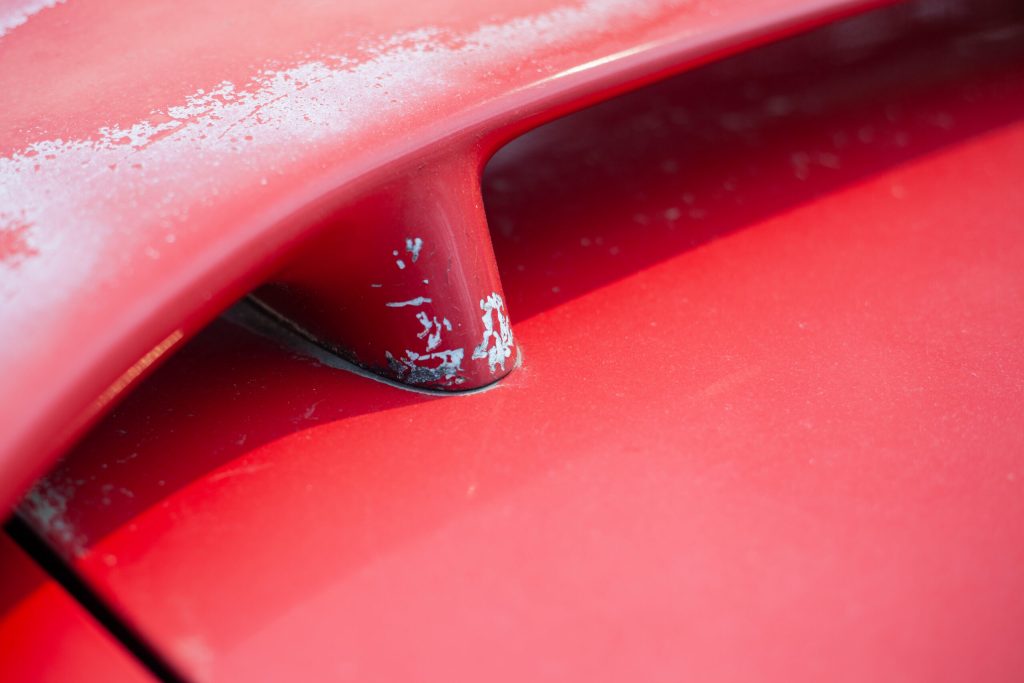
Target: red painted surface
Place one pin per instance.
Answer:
(164, 157)
(46, 636)
(768, 424)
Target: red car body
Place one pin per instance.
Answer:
(741, 334)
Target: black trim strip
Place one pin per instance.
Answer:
(55, 565)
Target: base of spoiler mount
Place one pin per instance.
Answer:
(403, 282)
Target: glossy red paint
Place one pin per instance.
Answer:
(46, 636)
(164, 157)
(768, 424)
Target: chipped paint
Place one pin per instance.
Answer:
(440, 367)
(432, 329)
(250, 315)
(430, 367)
(500, 350)
(413, 245)
(418, 301)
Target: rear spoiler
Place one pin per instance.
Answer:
(160, 159)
